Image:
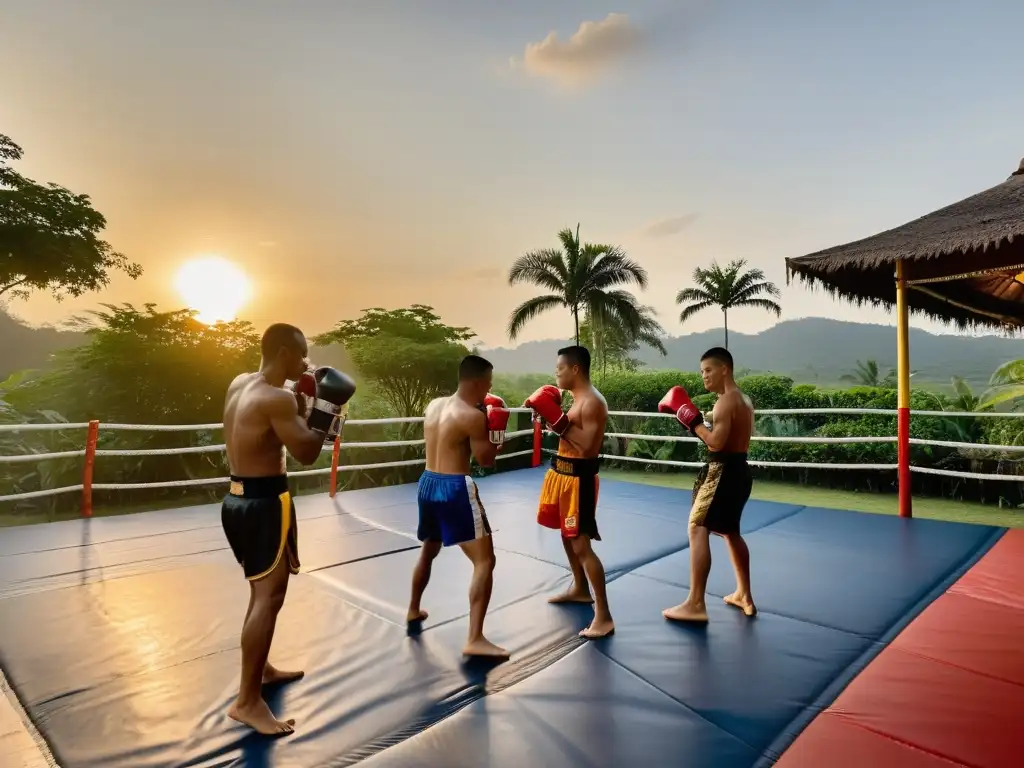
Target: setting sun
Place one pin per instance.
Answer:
(214, 287)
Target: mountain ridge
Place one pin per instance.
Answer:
(811, 350)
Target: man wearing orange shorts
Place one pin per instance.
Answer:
(568, 498)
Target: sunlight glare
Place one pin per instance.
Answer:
(213, 286)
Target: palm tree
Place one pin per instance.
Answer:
(614, 343)
(1005, 388)
(580, 277)
(866, 375)
(727, 288)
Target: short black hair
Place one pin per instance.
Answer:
(280, 335)
(721, 354)
(577, 355)
(474, 368)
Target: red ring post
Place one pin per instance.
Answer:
(335, 454)
(537, 433)
(87, 466)
(903, 393)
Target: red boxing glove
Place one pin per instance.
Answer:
(494, 400)
(305, 390)
(678, 402)
(546, 402)
(497, 423)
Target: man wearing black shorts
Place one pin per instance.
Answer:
(723, 485)
(261, 420)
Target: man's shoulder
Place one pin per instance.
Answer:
(736, 398)
(594, 399)
(437, 402)
(241, 380)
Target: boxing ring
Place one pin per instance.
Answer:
(880, 640)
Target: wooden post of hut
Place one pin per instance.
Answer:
(962, 264)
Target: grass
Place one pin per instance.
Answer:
(875, 503)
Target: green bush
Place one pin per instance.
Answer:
(640, 392)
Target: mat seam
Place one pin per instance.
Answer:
(8, 690)
(906, 744)
(951, 665)
(831, 692)
(684, 705)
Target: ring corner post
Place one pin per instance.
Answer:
(903, 392)
(92, 437)
(335, 455)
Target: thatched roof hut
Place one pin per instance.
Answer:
(963, 264)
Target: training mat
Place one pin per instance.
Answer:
(120, 636)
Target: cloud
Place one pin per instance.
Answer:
(593, 49)
(669, 227)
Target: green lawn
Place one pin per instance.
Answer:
(875, 503)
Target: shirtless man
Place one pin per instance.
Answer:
(568, 498)
(470, 423)
(723, 484)
(261, 420)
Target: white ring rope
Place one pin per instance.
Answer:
(973, 448)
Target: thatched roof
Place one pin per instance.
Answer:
(961, 261)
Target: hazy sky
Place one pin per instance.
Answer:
(357, 154)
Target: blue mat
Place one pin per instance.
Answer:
(120, 635)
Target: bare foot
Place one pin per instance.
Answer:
(743, 602)
(686, 612)
(484, 647)
(413, 616)
(598, 629)
(261, 719)
(274, 676)
(573, 596)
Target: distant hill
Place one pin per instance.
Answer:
(810, 350)
(23, 346)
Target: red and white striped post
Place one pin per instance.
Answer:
(537, 433)
(903, 393)
(335, 455)
(87, 466)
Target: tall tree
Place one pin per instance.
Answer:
(409, 354)
(613, 345)
(582, 278)
(49, 237)
(726, 289)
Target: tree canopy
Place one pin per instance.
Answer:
(409, 354)
(613, 345)
(581, 277)
(50, 237)
(726, 289)
(142, 367)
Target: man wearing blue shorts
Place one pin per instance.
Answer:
(469, 424)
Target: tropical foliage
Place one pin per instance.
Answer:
(50, 237)
(727, 288)
(408, 354)
(583, 278)
(612, 345)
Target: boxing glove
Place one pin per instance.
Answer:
(678, 402)
(333, 391)
(492, 399)
(305, 389)
(497, 423)
(546, 402)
